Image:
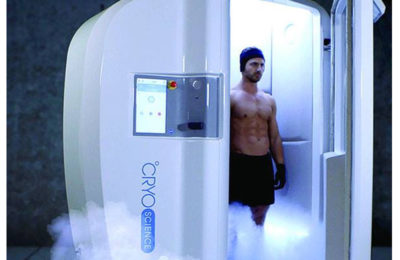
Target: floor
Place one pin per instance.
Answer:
(43, 253)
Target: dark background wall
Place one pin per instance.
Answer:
(38, 35)
(382, 199)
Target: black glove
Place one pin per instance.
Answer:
(280, 176)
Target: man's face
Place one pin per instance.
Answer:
(254, 69)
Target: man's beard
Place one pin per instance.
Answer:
(254, 78)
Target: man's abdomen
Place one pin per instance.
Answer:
(250, 136)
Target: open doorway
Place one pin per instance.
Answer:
(294, 38)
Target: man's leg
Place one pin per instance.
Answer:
(259, 213)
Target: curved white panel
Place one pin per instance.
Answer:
(161, 37)
(292, 75)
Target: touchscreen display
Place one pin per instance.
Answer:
(151, 105)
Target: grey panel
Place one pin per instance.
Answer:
(334, 168)
(192, 108)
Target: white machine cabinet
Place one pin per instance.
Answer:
(146, 124)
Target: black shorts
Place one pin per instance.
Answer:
(251, 180)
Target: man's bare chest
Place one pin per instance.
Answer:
(246, 106)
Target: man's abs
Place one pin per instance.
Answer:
(249, 136)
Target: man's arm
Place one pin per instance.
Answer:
(275, 138)
(277, 150)
(232, 115)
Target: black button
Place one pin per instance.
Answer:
(196, 125)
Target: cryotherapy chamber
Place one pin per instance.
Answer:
(146, 120)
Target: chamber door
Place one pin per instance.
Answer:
(337, 179)
(348, 168)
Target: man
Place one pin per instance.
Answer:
(254, 136)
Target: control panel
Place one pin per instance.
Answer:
(177, 105)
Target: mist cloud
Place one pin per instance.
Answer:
(287, 234)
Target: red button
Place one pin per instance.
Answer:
(172, 84)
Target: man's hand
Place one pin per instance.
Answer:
(280, 176)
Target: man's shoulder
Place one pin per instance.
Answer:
(235, 95)
(236, 90)
(268, 99)
(266, 95)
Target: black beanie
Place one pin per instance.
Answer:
(249, 53)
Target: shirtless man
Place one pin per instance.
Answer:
(254, 136)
